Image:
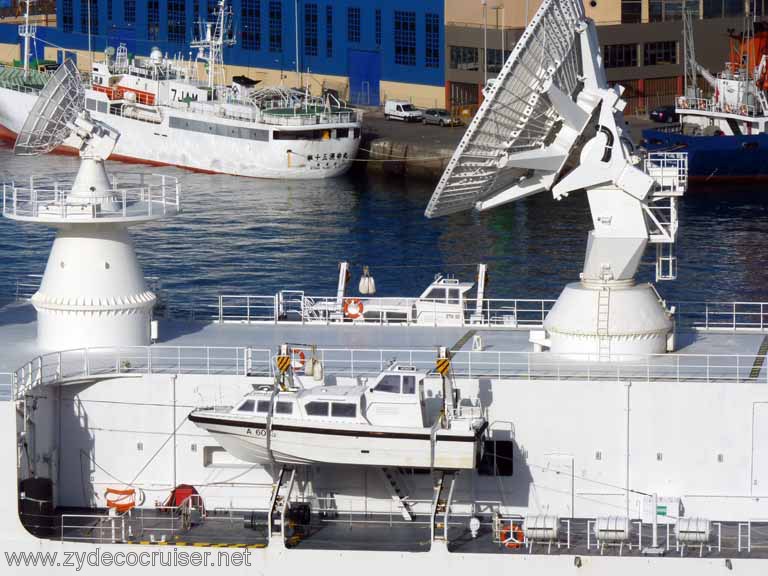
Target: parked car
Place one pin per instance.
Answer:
(664, 114)
(401, 110)
(439, 116)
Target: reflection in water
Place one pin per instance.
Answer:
(240, 235)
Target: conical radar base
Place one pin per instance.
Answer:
(609, 321)
(93, 291)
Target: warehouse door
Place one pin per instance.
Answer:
(364, 77)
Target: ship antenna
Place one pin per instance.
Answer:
(550, 122)
(93, 291)
(27, 31)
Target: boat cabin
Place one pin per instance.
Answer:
(395, 398)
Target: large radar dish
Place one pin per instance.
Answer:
(525, 109)
(54, 113)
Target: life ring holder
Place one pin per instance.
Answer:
(353, 308)
(298, 359)
(512, 537)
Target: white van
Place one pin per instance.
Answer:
(401, 110)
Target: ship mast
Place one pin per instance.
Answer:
(27, 31)
(213, 37)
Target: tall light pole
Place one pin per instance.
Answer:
(485, 42)
(90, 50)
(296, 30)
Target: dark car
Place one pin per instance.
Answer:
(664, 114)
(440, 117)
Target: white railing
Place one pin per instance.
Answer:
(669, 170)
(100, 363)
(706, 368)
(710, 105)
(723, 316)
(151, 196)
(107, 362)
(513, 312)
(499, 312)
(270, 116)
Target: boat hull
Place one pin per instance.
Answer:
(299, 444)
(714, 158)
(164, 145)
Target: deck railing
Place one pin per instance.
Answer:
(685, 105)
(101, 363)
(112, 362)
(295, 307)
(153, 195)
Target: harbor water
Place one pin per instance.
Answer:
(249, 236)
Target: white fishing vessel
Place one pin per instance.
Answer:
(166, 115)
(619, 438)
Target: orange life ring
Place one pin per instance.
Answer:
(353, 308)
(517, 539)
(298, 360)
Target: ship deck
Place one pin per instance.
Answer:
(387, 532)
(191, 346)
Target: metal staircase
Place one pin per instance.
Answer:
(278, 504)
(393, 482)
(441, 506)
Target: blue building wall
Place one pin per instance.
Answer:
(110, 31)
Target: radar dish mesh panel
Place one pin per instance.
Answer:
(57, 106)
(516, 115)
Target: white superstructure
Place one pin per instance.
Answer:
(627, 462)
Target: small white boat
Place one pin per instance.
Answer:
(445, 302)
(385, 423)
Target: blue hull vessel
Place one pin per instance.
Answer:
(712, 158)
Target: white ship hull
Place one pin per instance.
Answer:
(99, 443)
(161, 144)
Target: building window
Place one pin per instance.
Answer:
(310, 29)
(94, 16)
(67, 16)
(129, 11)
(153, 19)
(275, 26)
(109, 10)
(619, 55)
(405, 38)
(378, 27)
(353, 24)
(660, 53)
(465, 58)
(670, 10)
(177, 21)
(432, 27)
(496, 60)
(329, 31)
(631, 11)
(726, 8)
(251, 23)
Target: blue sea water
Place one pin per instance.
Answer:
(249, 236)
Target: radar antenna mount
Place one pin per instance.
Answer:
(93, 291)
(550, 122)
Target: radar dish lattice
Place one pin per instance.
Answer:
(50, 120)
(517, 115)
